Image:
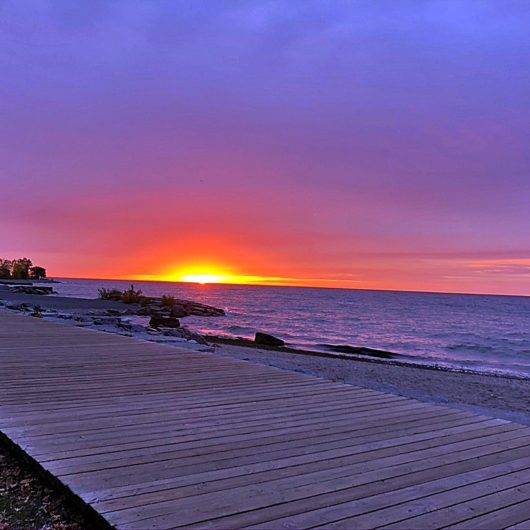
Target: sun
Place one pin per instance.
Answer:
(202, 278)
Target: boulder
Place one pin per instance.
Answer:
(158, 321)
(178, 312)
(184, 333)
(268, 340)
(30, 289)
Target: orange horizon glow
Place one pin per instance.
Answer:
(275, 160)
(464, 273)
(219, 275)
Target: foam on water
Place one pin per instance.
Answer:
(475, 332)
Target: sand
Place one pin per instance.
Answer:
(491, 395)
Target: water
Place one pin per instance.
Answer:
(476, 332)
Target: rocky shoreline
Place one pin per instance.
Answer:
(495, 394)
(150, 318)
(160, 319)
(154, 324)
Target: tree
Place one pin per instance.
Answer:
(20, 270)
(37, 273)
(5, 268)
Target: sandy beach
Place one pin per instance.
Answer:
(492, 395)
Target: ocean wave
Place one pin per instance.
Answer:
(449, 328)
(479, 348)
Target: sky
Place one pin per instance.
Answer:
(379, 144)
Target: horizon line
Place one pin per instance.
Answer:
(296, 286)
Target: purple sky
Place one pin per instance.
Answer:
(379, 144)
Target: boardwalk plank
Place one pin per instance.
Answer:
(510, 493)
(154, 436)
(187, 511)
(347, 514)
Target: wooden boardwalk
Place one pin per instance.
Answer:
(155, 437)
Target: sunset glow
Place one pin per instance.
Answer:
(279, 143)
(202, 278)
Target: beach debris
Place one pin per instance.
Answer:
(268, 340)
(27, 501)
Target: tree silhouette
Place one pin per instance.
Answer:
(20, 269)
(37, 273)
(5, 268)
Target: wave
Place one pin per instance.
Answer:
(480, 348)
(450, 328)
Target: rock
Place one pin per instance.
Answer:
(171, 332)
(180, 309)
(268, 340)
(133, 328)
(360, 350)
(19, 307)
(158, 321)
(30, 289)
(183, 333)
(178, 312)
(102, 321)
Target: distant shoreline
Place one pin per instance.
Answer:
(27, 282)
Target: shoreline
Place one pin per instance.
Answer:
(394, 359)
(493, 394)
(485, 394)
(65, 308)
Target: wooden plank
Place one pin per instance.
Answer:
(228, 481)
(407, 474)
(186, 511)
(513, 515)
(156, 437)
(347, 434)
(257, 453)
(513, 500)
(346, 515)
(522, 525)
(253, 479)
(438, 507)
